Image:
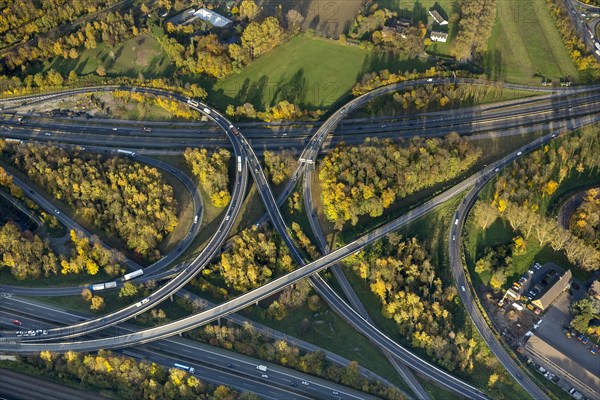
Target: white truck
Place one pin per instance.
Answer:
(191, 370)
(262, 368)
(206, 110)
(133, 274)
(126, 152)
(11, 140)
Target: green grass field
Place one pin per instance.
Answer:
(525, 42)
(137, 55)
(310, 72)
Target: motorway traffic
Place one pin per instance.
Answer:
(243, 149)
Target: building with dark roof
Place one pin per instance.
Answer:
(437, 17)
(546, 354)
(552, 291)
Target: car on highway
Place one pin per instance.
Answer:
(265, 376)
(17, 322)
(305, 383)
(496, 169)
(463, 289)
(48, 134)
(335, 392)
(146, 300)
(519, 153)
(56, 211)
(115, 129)
(430, 80)
(453, 237)
(293, 384)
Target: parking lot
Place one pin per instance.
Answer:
(577, 354)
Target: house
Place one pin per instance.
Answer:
(214, 18)
(401, 26)
(438, 36)
(552, 292)
(183, 17)
(437, 17)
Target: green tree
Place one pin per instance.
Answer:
(129, 289)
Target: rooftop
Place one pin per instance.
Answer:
(558, 362)
(210, 16)
(438, 17)
(553, 291)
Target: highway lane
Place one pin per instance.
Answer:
(23, 209)
(42, 316)
(464, 122)
(367, 235)
(17, 386)
(276, 285)
(299, 129)
(186, 274)
(50, 291)
(34, 308)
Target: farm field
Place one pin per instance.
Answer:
(524, 42)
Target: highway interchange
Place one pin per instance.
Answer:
(241, 146)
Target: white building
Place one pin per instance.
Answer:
(210, 16)
(438, 36)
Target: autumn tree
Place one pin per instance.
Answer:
(26, 255)
(212, 171)
(280, 166)
(477, 18)
(369, 178)
(248, 10)
(128, 200)
(255, 257)
(97, 303)
(259, 38)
